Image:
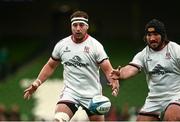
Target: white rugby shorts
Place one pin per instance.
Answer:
(158, 107)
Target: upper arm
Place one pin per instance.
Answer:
(52, 63)
(106, 66)
(48, 69)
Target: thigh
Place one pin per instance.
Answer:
(66, 104)
(150, 111)
(62, 107)
(99, 118)
(172, 112)
(92, 116)
(147, 117)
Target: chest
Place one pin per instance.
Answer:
(77, 54)
(159, 63)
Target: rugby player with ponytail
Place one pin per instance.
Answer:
(160, 61)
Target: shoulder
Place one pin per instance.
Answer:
(141, 56)
(173, 44)
(93, 40)
(143, 52)
(63, 41)
(174, 48)
(95, 43)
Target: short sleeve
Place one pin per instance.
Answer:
(138, 59)
(56, 52)
(100, 53)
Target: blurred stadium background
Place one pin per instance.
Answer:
(30, 28)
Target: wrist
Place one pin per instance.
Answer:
(37, 83)
(120, 74)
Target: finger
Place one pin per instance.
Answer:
(115, 88)
(115, 92)
(119, 67)
(26, 90)
(29, 97)
(115, 84)
(109, 84)
(115, 78)
(26, 95)
(115, 72)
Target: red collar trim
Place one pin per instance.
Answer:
(86, 36)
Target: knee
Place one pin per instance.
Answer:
(61, 117)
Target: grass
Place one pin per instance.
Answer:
(12, 92)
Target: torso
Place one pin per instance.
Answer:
(162, 70)
(81, 69)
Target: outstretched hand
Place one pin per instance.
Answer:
(114, 80)
(29, 91)
(115, 73)
(114, 86)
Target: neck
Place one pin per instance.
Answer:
(160, 47)
(77, 40)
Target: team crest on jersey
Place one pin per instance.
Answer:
(168, 55)
(86, 49)
(178, 100)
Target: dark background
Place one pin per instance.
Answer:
(116, 24)
(115, 19)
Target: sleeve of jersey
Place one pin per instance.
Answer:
(56, 53)
(137, 61)
(100, 53)
(174, 50)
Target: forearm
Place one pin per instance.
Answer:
(45, 73)
(47, 70)
(128, 72)
(107, 68)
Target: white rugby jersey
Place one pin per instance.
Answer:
(162, 69)
(81, 68)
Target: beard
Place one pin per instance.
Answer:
(156, 45)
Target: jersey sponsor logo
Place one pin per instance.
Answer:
(159, 70)
(67, 49)
(149, 59)
(76, 61)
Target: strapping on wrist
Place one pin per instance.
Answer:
(37, 83)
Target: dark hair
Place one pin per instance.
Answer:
(158, 27)
(79, 14)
